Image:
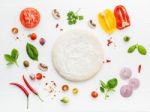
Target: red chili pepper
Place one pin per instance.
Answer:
(31, 88)
(24, 90)
(122, 17)
(139, 68)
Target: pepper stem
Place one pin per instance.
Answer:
(39, 97)
(27, 102)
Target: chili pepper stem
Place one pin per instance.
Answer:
(27, 102)
(39, 97)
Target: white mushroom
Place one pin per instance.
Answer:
(43, 67)
(91, 24)
(56, 14)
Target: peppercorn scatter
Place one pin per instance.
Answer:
(57, 26)
(107, 61)
(139, 68)
(51, 88)
(109, 41)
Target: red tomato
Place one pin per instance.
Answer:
(39, 76)
(29, 17)
(33, 36)
(94, 94)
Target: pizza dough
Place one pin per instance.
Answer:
(77, 55)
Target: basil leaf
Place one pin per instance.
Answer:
(103, 84)
(14, 54)
(132, 49)
(112, 83)
(102, 89)
(8, 58)
(142, 50)
(32, 51)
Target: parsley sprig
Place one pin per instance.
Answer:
(108, 87)
(73, 17)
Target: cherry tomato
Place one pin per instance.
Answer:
(94, 94)
(39, 76)
(29, 17)
(33, 36)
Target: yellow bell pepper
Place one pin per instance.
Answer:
(107, 21)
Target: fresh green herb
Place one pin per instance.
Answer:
(73, 17)
(108, 87)
(132, 49)
(32, 51)
(12, 58)
(126, 38)
(141, 49)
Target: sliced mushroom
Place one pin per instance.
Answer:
(43, 67)
(91, 24)
(56, 14)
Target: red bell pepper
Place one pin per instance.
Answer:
(122, 17)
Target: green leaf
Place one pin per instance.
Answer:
(103, 84)
(142, 50)
(132, 49)
(102, 89)
(8, 58)
(32, 51)
(14, 54)
(112, 83)
(81, 17)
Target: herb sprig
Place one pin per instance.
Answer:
(108, 87)
(12, 58)
(141, 49)
(73, 17)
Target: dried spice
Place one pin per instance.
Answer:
(139, 68)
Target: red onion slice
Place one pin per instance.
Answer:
(134, 83)
(125, 73)
(126, 91)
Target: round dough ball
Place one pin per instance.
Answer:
(77, 55)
